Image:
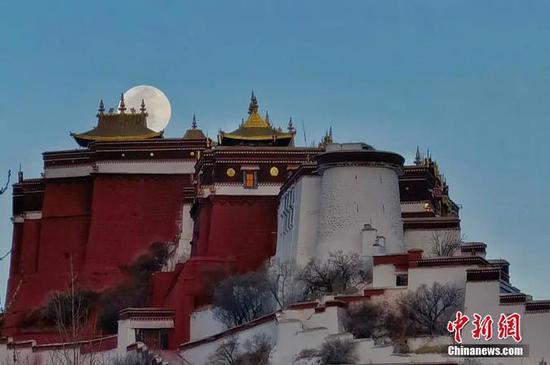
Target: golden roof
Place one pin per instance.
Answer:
(121, 126)
(256, 131)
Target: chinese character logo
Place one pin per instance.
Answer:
(483, 327)
(509, 326)
(457, 325)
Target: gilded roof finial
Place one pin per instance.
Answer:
(253, 107)
(20, 177)
(291, 128)
(122, 105)
(417, 158)
(101, 109)
(142, 107)
(194, 123)
(327, 139)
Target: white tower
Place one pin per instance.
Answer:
(360, 208)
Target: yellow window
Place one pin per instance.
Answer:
(249, 179)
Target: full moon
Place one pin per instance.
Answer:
(157, 104)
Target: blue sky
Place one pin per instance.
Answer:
(469, 80)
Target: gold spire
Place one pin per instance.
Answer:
(254, 119)
(101, 109)
(291, 128)
(253, 107)
(417, 157)
(194, 132)
(327, 139)
(256, 130)
(142, 108)
(122, 105)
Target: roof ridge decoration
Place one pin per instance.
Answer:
(194, 132)
(256, 130)
(254, 119)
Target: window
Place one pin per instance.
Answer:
(153, 338)
(287, 211)
(250, 179)
(402, 280)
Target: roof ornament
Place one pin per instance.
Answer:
(327, 139)
(253, 107)
(291, 128)
(417, 157)
(20, 177)
(267, 117)
(194, 123)
(101, 108)
(142, 107)
(122, 105)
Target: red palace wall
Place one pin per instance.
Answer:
(44, 246)
(130, 212)
(101, 223)
(239, 228)
(231, 234)
(65, 221)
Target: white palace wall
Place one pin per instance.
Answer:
(298, 220)
(352, 196)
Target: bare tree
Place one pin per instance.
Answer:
(428, 309)
(340, 273)
(242, 298)
(338, 351)
(5, 187)
(255, 351)
(446, 243)
(226, 353)
(364, 320)
(136, 291)
(71, 310)
(283, 283)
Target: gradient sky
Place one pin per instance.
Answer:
(470, 80)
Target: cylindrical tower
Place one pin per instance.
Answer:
(360, 206)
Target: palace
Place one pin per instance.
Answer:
(226, 207)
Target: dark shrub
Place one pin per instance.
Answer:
(62, 309)
(364, 320)
(337, 352)
(135, 293)
(242, 298)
